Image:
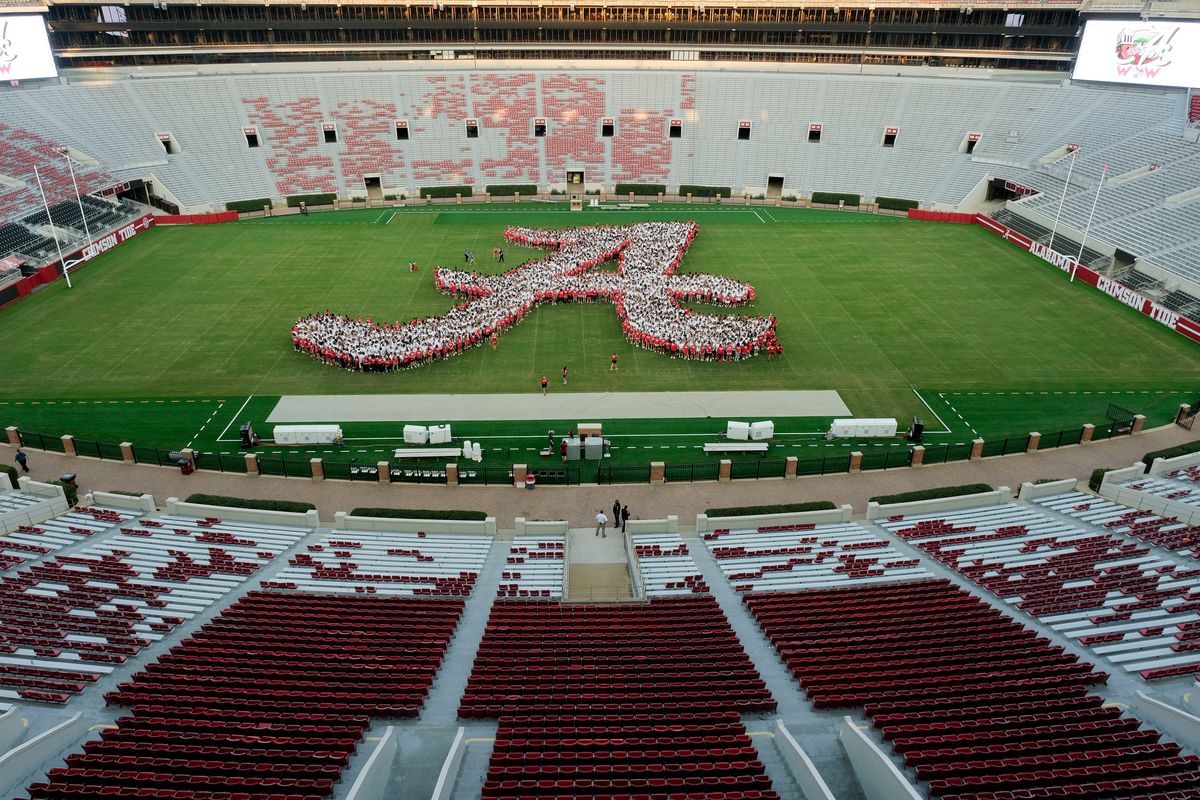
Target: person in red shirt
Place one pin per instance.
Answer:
(613, 364)
(545, 383)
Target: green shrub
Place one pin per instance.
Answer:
(123, 492)
(71, 490)
(646, 189)
(778, 508)
(557, 191)
(704, 191)
(323, 199)
(1170, 452)
(791, 198)
(832, 198)
(445, 191)
(1047, 480)
(895, 203)
(931, 494)
(11, 472)
(1098, 478)
(509, 189)
(419, 513)
(246, 206)
(243, 502)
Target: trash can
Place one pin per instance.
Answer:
(185, 466)
(530, 481)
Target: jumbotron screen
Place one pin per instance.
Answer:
(1140, 53)
(25, 48)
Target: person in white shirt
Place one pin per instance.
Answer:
(601, 521)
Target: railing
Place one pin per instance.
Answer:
(571, 474)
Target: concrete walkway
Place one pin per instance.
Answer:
(578, 406)
(578, 504)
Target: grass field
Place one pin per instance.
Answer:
(165, 339)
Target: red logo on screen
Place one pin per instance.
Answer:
(1143, 52)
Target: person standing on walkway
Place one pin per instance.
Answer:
(601, 521)
(624, 517)
(23, 460)
(616, 512)
(545, 383)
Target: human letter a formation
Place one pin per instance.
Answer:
(645, 290)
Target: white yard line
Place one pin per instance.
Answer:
(221, 438)
(945, 427)
(760, 219)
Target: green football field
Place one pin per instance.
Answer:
(182, 333)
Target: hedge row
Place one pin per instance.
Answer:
(895, 203)
(248, 205)
(832, 198)
(419, 513)
(243, 502)
(323, 199)
(780, 508)
(643, 189)
(125, 493)
(445, 191)
(1170, 452)
(931, 494)
(1098, 478)
(508, 189)
(704, 191)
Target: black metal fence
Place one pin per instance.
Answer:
(429, 472)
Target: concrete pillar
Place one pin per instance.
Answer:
(266, 211)
(856, 458)
(631, 197)
(251, 463)
(658, 472)
(976, 448)
(487, 197)
(519, 473)
(1035, 438)
(791, 466)
(516, 197)
(385, 471)
(1139, 422)
(689, 198)
(660, 199)
(452, 474)
(457, 199)
(747, 199)
(14, 438)
(317, 465)
(779, 201)
(69, 445)
(918, 455)
(188, 454)
(1086, 436)
(726, 468)
(127, 452)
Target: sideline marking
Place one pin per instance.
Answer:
(931, 411)
(205, 425)
(389, 220)
(381, 213)
(760, 219)
(235, 416)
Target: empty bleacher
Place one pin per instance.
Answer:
(1165, 532)
(100, 215)
(807, 555)
(392, 563)
(666, 566)
(976, 705)
(69, 618)
(617, 700)
(31, 542)
(266, 702)
(1119, 597)
(1179, 486)
(1061, 243)
(17, 239)
(534, 567)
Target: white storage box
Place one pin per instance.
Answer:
(416, 434)
(439, 434)
(862, 428)
(737, 430)
(307, 434)
(761, 431)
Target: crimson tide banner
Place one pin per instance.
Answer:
(1110, 287)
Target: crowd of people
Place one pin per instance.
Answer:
(645, 288)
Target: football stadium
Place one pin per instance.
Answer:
(518, 399)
